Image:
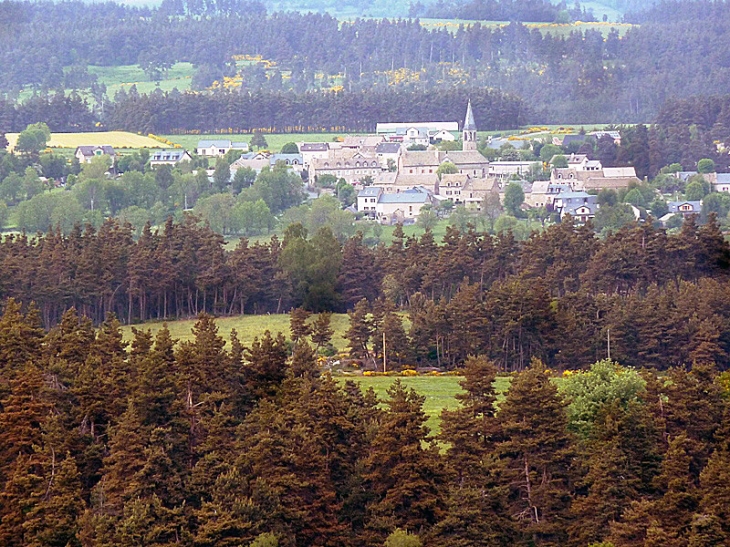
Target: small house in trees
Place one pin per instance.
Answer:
(392, 208)
(685, 208)
(720, 181)
(294, 161)
(86, 153)
(544, 192)
(169, 157)
(219, 147)
(404, 206)
(255, 160)
(582, 206)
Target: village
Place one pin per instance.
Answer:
(402, 169)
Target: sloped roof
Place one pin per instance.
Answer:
(387, 148)
(609, 172)
(414, 195)
(675, 205)
(168, 155)
(459, 157)
(214, 144)
(369, 192)
(314, 147)
(90, 150)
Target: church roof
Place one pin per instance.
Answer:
(469, 123)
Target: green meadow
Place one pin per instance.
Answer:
(440, 391)
(248, 327)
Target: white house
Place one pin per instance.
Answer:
(580, 205)
(169, 157)
(86, 153)
(312, 150)
(392, 208)
(219, 147)
(503, 170)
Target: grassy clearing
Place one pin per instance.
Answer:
(247, 326)
(274, 140)
(117, 139)
(439, 391)
(124, 77)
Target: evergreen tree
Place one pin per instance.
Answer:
(406, 479)
(536, 457)
(322, 330)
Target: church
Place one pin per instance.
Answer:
(468, 160)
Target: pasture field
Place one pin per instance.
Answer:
(124, 77)
(274, 140)
(247, 326)
(117, 139)
(439, 391)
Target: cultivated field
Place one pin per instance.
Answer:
(117, 139)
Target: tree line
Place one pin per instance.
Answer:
(578, 77)
(473, 294)
(158, 443)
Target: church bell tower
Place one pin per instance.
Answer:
(469, 132)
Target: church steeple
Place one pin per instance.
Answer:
(469, 132)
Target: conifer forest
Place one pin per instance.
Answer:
(210, 443)
(593, 357)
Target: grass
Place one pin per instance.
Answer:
(124, 77)
(247, 326)
(275, 141)
(117, 139)
(439, 391)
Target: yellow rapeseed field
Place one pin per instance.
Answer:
(117, 139)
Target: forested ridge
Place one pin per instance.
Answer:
(580, 77)
(663, 297)
(162, 443)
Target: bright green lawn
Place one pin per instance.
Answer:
(247, 326)
(439, 391)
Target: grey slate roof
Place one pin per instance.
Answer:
(314, 147)
(215, 144)
(675, 205)
(168, 155)
(369, 192)
(414, 195)
(387, 148)
(469, 123)
(89, 150)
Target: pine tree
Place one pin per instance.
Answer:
(475, 506)
(406, 479)
(298, 324)
(322, 330)
(360, 330)
(536, 457)
(53, 520)
(265, 367)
